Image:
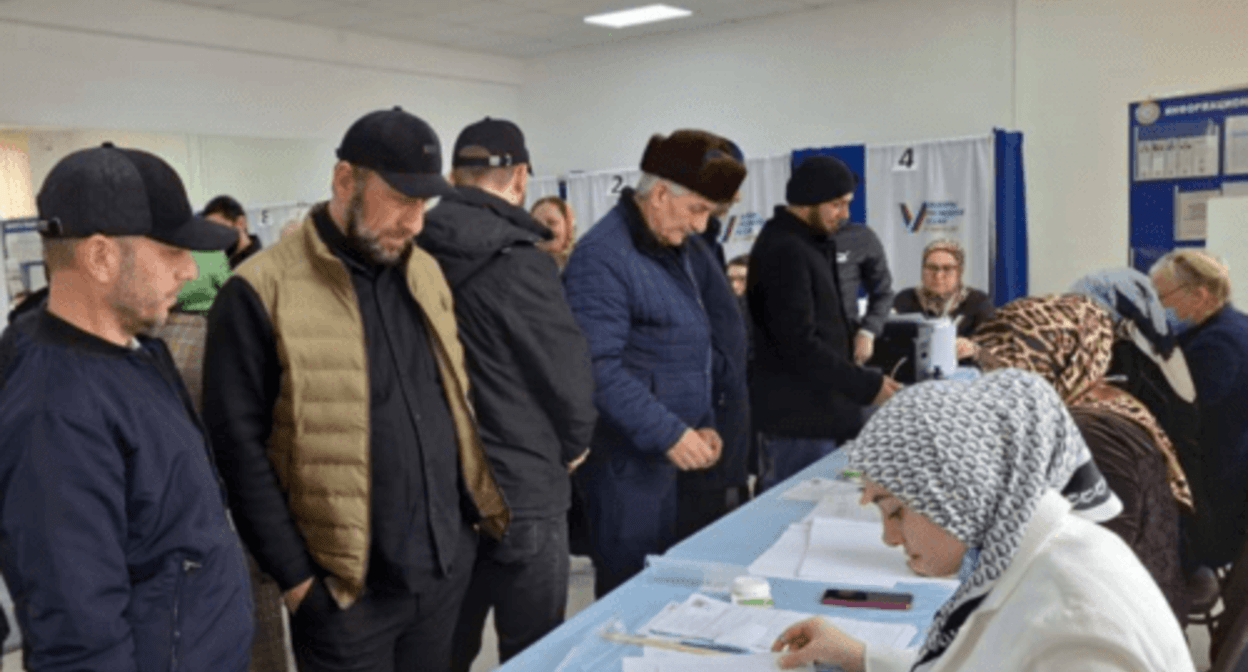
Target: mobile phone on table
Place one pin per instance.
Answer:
(838, 597)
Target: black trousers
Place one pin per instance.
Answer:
(385, 630)
(525, 579)
(697, 507)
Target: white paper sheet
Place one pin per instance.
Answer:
(761, 662)
(852, 552)
(844, 505)
(815, 489)
(756, 629)
(784, 557)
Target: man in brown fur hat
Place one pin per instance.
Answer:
(651, 298)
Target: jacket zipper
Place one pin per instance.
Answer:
(188, 567)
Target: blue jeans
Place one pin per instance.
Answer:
(782, 456)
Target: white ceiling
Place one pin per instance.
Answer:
(517, 28)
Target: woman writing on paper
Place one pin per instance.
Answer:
(956, 466)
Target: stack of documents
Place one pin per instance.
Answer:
(713, 623)
(840, 542)
(759, 662)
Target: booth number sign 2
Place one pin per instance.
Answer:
(906, 162)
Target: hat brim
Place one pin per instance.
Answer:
(418, 185)
(200, 235)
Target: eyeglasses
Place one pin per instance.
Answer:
(1172, 292)
(933, 268)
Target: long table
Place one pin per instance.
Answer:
(735, 540)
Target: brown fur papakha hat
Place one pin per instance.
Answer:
(700, 161)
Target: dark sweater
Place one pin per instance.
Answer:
(1217, 356)
(1136, 471)
(974, 311)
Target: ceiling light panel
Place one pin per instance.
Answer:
(638, 16)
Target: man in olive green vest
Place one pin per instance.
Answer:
(336, 396)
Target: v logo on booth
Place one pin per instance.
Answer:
(913, 222)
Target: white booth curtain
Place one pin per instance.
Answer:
(917, 193)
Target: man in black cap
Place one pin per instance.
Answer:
(805, 389)
(651, 299)
(114, 537)
(337, 398)
(532, 384)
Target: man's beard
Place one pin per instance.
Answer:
(366, 243)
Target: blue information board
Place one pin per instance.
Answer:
(1183, 151)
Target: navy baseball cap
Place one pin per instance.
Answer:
(501, 138)
(400, 147)
(124, 192)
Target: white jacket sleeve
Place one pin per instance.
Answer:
(888, 659)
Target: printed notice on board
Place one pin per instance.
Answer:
(23, 258)
(1177, 150)
(1191, 214)
(1237, 145)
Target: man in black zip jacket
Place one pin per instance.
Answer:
(532, 384)
(805, 389)
(114, 537)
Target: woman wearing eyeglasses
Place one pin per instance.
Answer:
(942, 294)
(1195, 289)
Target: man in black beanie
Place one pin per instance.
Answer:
(805, 389)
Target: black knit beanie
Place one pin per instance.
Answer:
(818, 180)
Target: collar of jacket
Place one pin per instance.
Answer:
(643, 238)
(787, 221)
(1050, 515)
(480, 198)
(57, 331)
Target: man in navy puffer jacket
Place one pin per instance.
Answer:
(633, 286)
(114, 538)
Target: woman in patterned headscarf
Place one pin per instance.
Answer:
(955, 466)
(1068, 340)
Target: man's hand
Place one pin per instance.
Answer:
(294, 596)
(864, 347)
(967, 348)
(574, 464)
(712, 439)
(888, 388)
(691, 452)
(814, 640)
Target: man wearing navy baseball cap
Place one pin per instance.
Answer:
(337, 400)
(114, 537)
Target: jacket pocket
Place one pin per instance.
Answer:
(187, 568)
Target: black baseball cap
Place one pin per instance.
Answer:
(124, 192)
(503, 139)
(400, 147)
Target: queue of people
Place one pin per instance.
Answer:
(381, 421)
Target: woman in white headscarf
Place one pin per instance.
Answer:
(955, 466)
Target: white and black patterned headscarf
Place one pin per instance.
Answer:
(975, 458)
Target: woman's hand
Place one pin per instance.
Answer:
(967, 349)
(815, 640)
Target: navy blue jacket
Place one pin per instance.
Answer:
(1217, 356)
(114, 538)
(649, 335)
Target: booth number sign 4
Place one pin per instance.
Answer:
(906, 162)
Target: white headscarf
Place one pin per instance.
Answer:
(975, 458)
